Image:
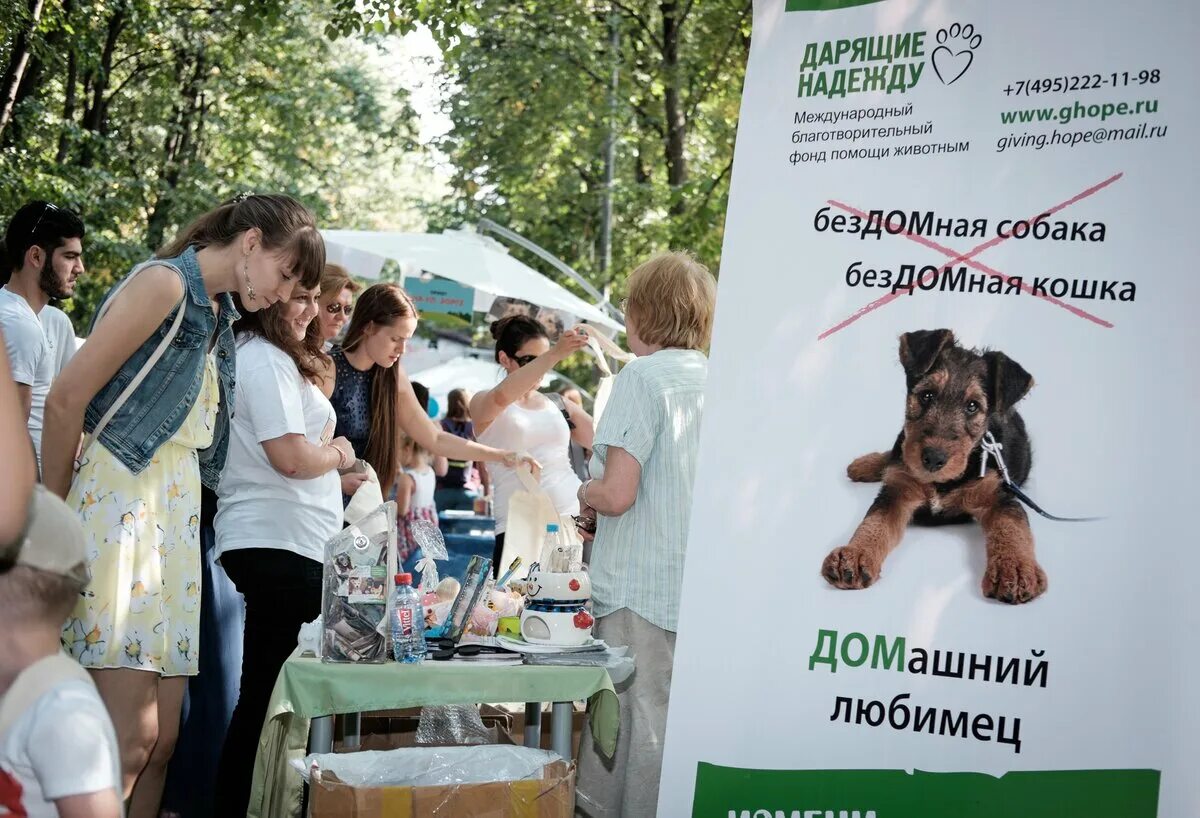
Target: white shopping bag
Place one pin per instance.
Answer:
(529, 512)
(599, 344)
(367, 497)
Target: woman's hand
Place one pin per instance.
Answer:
(514, 460)
(570, 342)
(585, 523)
(351, 481)
(346, 449)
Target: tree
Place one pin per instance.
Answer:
(526, 85)
(143, 114)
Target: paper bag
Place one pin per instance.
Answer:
(529, 512)
(367, 498)
(598, 344)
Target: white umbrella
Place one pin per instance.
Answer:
(465, 257)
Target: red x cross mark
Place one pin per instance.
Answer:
(968, 260)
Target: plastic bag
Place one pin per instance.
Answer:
(428, 537)
(619, 664)
(428, 766)
(360, 566)
(452, 724)
(309, 638)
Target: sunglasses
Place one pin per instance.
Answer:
(522, 360)
(334, 309)
(46, 208)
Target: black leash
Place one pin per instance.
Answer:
(993, 447)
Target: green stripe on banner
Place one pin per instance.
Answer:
(825, 5)
(729, 792)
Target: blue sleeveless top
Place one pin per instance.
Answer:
(351, 400)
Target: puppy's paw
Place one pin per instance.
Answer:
(852, 567)
(868, 468)
(1013, 578)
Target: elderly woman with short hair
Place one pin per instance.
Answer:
(644, 464)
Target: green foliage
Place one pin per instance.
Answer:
(144, 113)
(527, 90)
(191, 104)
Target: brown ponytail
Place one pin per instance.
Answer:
(381, 305)
(286, 226)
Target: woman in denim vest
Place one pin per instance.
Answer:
(137, 489)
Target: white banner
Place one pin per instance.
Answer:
(950, 223)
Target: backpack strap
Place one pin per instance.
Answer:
(150, 362)
(35, 680)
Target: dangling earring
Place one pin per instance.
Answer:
(253, 296)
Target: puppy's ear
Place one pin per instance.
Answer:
(919, 349)
(1007, 382)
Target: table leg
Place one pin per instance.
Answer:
(560, 729)
(351, 731)
(320, 740)
(533, 724)
(320, 735)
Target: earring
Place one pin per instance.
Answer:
(253, 296)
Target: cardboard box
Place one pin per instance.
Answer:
(552, 797)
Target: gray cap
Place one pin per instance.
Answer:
(54, 540)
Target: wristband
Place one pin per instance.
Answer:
(341, 457)
(583, 492)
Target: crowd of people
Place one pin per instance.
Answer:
(234, 392)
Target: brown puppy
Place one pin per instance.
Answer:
(931, 475)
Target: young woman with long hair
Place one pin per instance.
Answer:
(154, 389)
(373, 397)
(279, 500)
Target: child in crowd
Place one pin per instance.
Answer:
(58, 751)
(415, 485)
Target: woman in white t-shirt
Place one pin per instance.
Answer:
(279, 500)
(514, 415)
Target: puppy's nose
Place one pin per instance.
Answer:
(933, 459)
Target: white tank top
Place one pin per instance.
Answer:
(545, 435)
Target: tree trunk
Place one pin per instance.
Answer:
(14, 72)
(677, 174)
(95, 115)
(68, 115)
(180, 146)
(28, 85)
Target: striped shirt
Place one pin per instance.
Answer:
(654, 415)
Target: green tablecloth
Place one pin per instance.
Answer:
(306, 688)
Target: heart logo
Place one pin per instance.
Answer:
(949, 65)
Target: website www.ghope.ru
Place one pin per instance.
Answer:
(1065, 114)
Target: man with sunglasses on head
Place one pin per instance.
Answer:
(42, 258)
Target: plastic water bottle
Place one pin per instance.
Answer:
(549, 543)
(408, 622)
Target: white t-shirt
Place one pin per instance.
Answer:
(257, 507)
(29, 354)
(64, 745)
(425, 485)
(544, 434)
(60, 335)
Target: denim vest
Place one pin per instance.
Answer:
(154, 413)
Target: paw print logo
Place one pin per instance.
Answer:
(955, 52)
